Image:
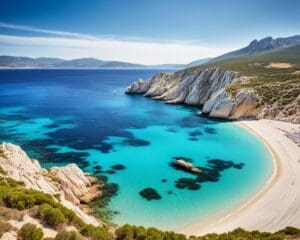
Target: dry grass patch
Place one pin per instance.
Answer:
(279, 65)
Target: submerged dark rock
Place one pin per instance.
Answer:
(173, 130)
(210, 130)
(209, 173)
(239, 165)
(195, 133)
(97, 167)
(110, 171)
(150, 194)
(118, 167)
(108, 191)
(193, 139)
(189, 183)
(51, 126)
(164, 180)
(136, 142)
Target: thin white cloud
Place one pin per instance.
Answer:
(75, 45)
(47, 31)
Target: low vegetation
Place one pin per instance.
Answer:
(50, 215)
(30, 232)
(50, 211)
(68, 235)
(128, 232)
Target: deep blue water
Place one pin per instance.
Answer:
(83, 116)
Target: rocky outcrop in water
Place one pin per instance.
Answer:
(203, 87)
(69, 182)
(186, 166)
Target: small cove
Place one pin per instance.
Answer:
(83, 116)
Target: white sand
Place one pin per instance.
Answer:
(277, 205)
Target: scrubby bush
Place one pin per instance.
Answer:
(30, 232)
(291, 231)
(21, 198)
(95, 233)
(128, 232)
(68, 235)
(52, 216)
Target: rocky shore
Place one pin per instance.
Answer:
(70, 183)
(205, 88)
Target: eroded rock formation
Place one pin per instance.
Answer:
(203, 87)
(70, 182)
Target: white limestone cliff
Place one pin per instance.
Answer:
(204, 87)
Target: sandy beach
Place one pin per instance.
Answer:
(277, 204)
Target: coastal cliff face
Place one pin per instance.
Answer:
(224, 105)
(73, 186)
(204, 87)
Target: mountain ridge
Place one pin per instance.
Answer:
(260, 46)
(45, 62)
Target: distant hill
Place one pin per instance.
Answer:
(26, 62)
(198, 62)
(94, 63)
(10, 61)
(261, 46)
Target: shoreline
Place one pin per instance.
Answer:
(276, 205)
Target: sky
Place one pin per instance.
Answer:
(141, 31)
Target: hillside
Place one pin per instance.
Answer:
(260, 46)
(42, 62)
(26, 62)
(94, 63)
(277, 84)
(263, 85)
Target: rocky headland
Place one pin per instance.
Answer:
(205, 88)
(70, 183)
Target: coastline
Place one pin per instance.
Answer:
(276, 205)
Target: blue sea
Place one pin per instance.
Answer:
(83, 116)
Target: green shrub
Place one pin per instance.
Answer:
(30, 232)
(9, 182)
(68, 235)
(290, 231)
(128, 232)
(95, 233)
(52, 216)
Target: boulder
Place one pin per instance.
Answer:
(186, 166)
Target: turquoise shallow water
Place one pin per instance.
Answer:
(83, 116)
